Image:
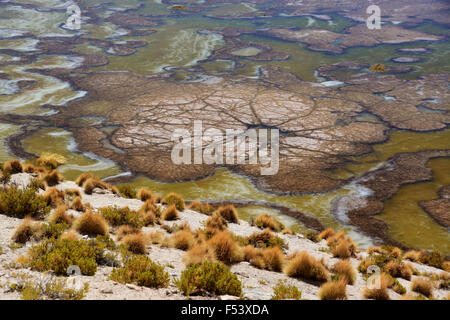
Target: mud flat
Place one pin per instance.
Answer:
(439, 209)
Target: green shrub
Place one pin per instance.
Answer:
(53, 230)
(142, 270)
(19, 203)
(434, 259)
(175, 199)
(213, 277)
(266, 239)
(119, 216)
(127, 191)
(282, 291)
(58, 255)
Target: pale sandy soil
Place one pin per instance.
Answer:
(257, 283)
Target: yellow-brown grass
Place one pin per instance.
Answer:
(60, 215)
(399, 269)
(91, 224)
(13, 166)
(345, 271)
(380, 293)
(77, 204)
(287, 231)
(397, 253)
(135, 243)
(198, 254)
(29, 168)
(175, 199)
(422, 286)
(52, 178)
(333, 290)
(144, 194)
(126, 230)
(225, 248)
(267, 221)
(70, 235)
(412, 255)
(148, 217)
(216, 222)
(54, 196)
(170, 213)
(325, 234)
(302, 265)
(229, 213)
(82, 178)
(26, 230)
(273, 258)
(92, 183)
(73, 192)
(183, 240)
(155, 237)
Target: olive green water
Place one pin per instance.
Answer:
(177, 43)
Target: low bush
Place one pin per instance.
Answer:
(127, 191)
(119, 216)
(333, 290)
(19, 203)
(266, 239)
(54, 197)
(283, 291)
(174, 199)
(302, 265)
(212, 277)
(143, 271)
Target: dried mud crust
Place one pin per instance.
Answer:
(439, 209)
(402, 169)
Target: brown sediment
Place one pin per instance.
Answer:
(439, 209)
(402, 169)
(128, 20)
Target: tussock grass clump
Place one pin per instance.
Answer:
(325, 234)
(422, 286)
(91, 224)
(273, 259)
(412, 255)
(144, 194)
(13, 166)
(82, 178)
(216, 222)
(52, 178)
(198, 254)
(333, 290)
(60, 215)
(119, 216)
(126, 191)
(183, 240)
(58, 254)
(54, 197)
(149, 205)
(77, 204)
(72, 193)
(29, 168)
(266, 221)
(174, 199)
(70, 235)
(37, 183)
(302, 265)
(380, 293)
(143, 271)
(92, 183)
(18, 203)
(433, 259)
(202, 208)
(345, 271)
(135, 243)
(312, 235)
(212, 277)
(50, 161)
(341, 246)
(170, 213)
(27, 230)
(126, 230)
(399, 269)
(266, 239)
(229, 213)
(52, 230)
(283, 291)
(287, 231)
(226, 249)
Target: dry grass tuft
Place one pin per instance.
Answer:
(287, 231)
(13, 166)
(175, 199)
(170, 213)
(412, 255)
(345, 271)
(60, 215)
(333, 290)
(144, 194)
(70, 235)
(399, 269)
(54, 196)
(126, 230)
(198, 254)
(229, 213)
(273, 259)
(29, 168)
(226, 249)
(77, 204)
(267, 221)
(26, 230)
(422, 286)
(92, 183)
(91, 224)
(183, 240)
(52, 178)
(305, 266)
(325, 234)
(82, 178)
(202, 208)
(135, 243)
(216, 222)
(381, 293)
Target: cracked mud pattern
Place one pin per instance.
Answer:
(317, 123)
(439, 209)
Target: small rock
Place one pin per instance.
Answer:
(228, 297)
(106, 291)
(133, 287)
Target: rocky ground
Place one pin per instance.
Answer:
(257, 283)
